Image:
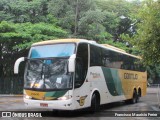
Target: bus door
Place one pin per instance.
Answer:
(81, 84)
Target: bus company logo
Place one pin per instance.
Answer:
(131, 76)
(81, 100)
(95, 75)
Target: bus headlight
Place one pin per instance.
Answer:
(27, 97)
(65, 97)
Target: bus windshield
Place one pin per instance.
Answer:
(47, 74)
(54, 50)
(47, 67)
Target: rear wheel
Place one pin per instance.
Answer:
(95, 103)
(134, 99)
(138, 94)
(138, 97)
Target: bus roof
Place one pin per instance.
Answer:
(73, 40)
(119, 50)
(61, 41)
(110, 46)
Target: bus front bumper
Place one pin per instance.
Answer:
(50, 104)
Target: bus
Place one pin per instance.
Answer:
(71, 74)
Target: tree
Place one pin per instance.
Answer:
(148, 33)
(147, 36)
(73, 15)
(20, 11)
(17, 38)
(69, 13)
(90, 25)
(118, 16)
(153, 73)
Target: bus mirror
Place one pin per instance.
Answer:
(71, 63)
(16, 65)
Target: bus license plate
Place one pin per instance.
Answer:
(44, 104)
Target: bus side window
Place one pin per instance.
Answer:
(81, 64)
(79, 74)
(95, 56)
(105, 58)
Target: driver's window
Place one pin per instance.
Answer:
(81, 64)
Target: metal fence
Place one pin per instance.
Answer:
(11, 85)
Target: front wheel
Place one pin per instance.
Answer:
(95, 103)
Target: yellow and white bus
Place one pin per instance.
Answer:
(70, 74)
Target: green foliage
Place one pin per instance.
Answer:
(147, 37)
(115, 44)
(118, 16)
(23, 11)
(24, 22)
(100, 20)
(65, 12)
(90, 25)
(24, 34)
(121, 7)
(81, 18)
(148, 33)
(153, 73)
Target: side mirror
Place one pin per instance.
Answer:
(71, 63)
(16, 65)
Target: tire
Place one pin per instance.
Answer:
(135, 97)
(138, 97)
(95, 103)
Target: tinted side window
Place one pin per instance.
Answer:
(95, 56)
(81, 64)
(111, 59)
(108, 58)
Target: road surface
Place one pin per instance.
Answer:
(147, 106)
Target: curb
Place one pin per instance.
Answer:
(11, 95)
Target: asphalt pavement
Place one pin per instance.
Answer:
(148, 104)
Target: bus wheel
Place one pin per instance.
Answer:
(138, 94)
(135, 97)
(138, 97)
(95, 103)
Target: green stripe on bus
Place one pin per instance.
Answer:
(56, 94)
(113, 81)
